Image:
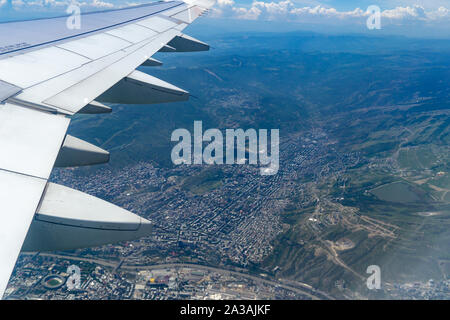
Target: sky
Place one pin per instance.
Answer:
(414, 18)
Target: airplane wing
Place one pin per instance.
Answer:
(50, 71)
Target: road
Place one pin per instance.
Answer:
(302, 288)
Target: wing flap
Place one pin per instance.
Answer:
(90, 47)
(77, 96)
(30, 140)
(133, 32)
(157, 23)
(33, 67)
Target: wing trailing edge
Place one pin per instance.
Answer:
(142, 88)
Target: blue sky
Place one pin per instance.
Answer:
(423, 18)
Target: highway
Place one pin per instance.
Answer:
(301, 288)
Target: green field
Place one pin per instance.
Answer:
(207, 180)
(400, 192)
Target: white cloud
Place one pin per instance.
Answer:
(100, 4)
(441, 14)
(222, 3)
(304, 11)
(415, 12)
(291, 11)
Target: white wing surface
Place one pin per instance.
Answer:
(48, 73)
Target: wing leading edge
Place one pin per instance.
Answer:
(45, 78)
